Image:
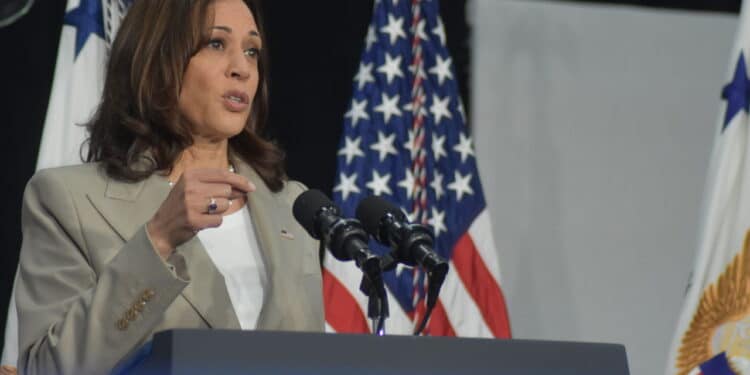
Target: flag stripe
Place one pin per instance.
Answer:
(399, 321)
(462, 312)
(481, 286)
(440, 325)
(346, 315)
(481, 233)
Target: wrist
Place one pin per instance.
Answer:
(160, 244)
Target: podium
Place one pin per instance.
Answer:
(264, 352)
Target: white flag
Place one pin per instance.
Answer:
(88, 28)
(713, 330)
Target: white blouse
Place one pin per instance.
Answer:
(234, 250)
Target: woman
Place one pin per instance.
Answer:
(182, 217)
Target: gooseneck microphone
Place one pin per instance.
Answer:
(412, 243)
(346, 240)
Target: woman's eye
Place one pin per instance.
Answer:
(252, 52)
(216, 44)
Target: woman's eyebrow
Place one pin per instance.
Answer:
(229, 30)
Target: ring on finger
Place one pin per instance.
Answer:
(212, 206)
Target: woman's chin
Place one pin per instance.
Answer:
(217, 135)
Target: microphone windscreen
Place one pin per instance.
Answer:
(371, 210)
(306, 207)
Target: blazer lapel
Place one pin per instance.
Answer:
(263, 205)
(207, 292)
(128, 206)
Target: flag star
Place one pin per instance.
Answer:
(412, 216)
(438, 147)
(347, 185)
(391, 67)
(409, 145)
(87, 20)
(420, 33)
(408, 183)
(389, 107)
(439, 30)
(736, 93)
(401, 268)
(395, 28)
(438, 221)
(442, 69)
(351, 149)
(384, 145)
(358, 111)
(461, 110)
(461, 185)
(371, 38)
(379, 184)
(437, 185)
(464, 147)
(364, 75)
(439, 108)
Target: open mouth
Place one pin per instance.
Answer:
(237, 97)
(236, 101)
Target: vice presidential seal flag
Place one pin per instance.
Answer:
(712, 332)
(88, 29)
(405, 140)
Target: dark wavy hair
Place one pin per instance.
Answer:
(138, 118)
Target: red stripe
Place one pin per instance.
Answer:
(341, 309)
(439, 324)
(481, 286)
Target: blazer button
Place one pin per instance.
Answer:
(122, 324)
(148, 294)
(131, 314)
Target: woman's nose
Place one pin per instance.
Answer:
(239, 67)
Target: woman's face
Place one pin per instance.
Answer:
(221, 79)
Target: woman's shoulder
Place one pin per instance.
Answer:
(291, 190)
(82, 177)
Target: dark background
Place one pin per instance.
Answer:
(315, 48)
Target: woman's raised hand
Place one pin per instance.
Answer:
(197, 201)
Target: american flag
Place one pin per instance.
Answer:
(405, 139)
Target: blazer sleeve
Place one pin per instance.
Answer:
(73, 320)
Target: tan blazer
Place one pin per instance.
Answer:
(92, 289)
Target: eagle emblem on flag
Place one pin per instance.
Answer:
(718, 338)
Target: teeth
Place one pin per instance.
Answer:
(235, 98)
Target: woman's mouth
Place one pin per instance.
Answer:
(236, 101)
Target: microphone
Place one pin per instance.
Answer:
(345, 238)
(412, 243)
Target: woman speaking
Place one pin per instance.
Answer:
(181, 217)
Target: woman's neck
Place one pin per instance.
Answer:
(201, 155)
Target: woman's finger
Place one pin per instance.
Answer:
(217, 206)
(221, 191)
(237, 181)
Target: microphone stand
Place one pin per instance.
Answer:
(372, 284)
(373, 287)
